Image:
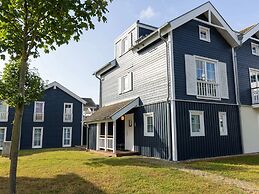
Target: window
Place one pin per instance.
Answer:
(206, 78)
(67, 136)
(255, 49)
(197, 123)
(38, 115)
(204, 33)
(124, 45)
(125, 83)
(254, 78)
(3, 112)
(223, 128)
(68, 112)
(149, 124)
(37, 136)
(2, 136)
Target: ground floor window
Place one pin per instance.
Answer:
(67, 136)
(223, 128)
(149, 124)
(2, 136)
(197, 123)
(37, 136)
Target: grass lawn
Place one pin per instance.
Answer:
(241, 167)
(71, 171)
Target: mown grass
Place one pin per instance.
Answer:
(78, 172)
(240, 167)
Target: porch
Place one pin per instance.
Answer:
(115, 128)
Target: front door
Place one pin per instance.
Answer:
(129, 132)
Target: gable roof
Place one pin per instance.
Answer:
(249, 32)
(89, 102)
(216, 20)
(56, 84)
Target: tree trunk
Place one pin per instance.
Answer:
(15, 146)
(17, 126)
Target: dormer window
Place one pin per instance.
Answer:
(255, 49)
(124, 45)
(204, 33)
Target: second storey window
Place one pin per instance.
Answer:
(254, 79)
(255, 49)
(204, 33)
(206, 78)
(197, 123)
(124, 45)
(125, 83)
(68, 112)
(149, 124)
(38, 115)
(3, 112)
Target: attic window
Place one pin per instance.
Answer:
(204, 33)
(255, 49)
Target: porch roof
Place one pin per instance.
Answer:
(112, 112)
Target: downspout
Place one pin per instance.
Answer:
(237, 88)
(100, 89)
(169, 127)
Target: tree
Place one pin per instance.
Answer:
(26, 26)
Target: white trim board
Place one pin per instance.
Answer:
(56, 84)
(250, 33)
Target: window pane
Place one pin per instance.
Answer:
(37, 137)
(200, 70)
(39, 107)
(195, 123)
(2, 133)
(211, 72)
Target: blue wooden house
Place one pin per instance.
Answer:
(171, 91)
(55, 121)
(247, 55)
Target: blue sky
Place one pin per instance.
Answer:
(73, 65)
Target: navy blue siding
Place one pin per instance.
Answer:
(91, 137)
(186, 41)
(246, 60)
(53, 121)
(212, 144)
(156, 146)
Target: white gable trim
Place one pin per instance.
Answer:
(202, 9)
(56, 84)
(250, 33)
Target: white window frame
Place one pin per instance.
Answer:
(124, 45)
(70, 140)
(6, 113)
(5, 131)
(41, 137)
(146, 132)
(256, 46)
(64, 115)
(225, 123)
(207, 31)
(202, 128)
(122, 83)
(43, 113)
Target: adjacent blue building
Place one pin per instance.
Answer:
(55, 121)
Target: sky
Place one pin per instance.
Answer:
(73, 65)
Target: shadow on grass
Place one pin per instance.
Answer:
(129, 161)
(39, 151)
(69, 184)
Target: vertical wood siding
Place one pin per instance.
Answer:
(212, 144)
(53, 121)
(149, 76)
(156, 146)
(246, 60)
(186, 41)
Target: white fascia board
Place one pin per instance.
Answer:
(65, 90)
(202, 9)
(250, 33)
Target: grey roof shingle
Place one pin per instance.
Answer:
(89, 102)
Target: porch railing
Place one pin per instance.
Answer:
(255, 95)
(207, 89)
(109, 145)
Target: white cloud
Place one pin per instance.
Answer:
(147, 13)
